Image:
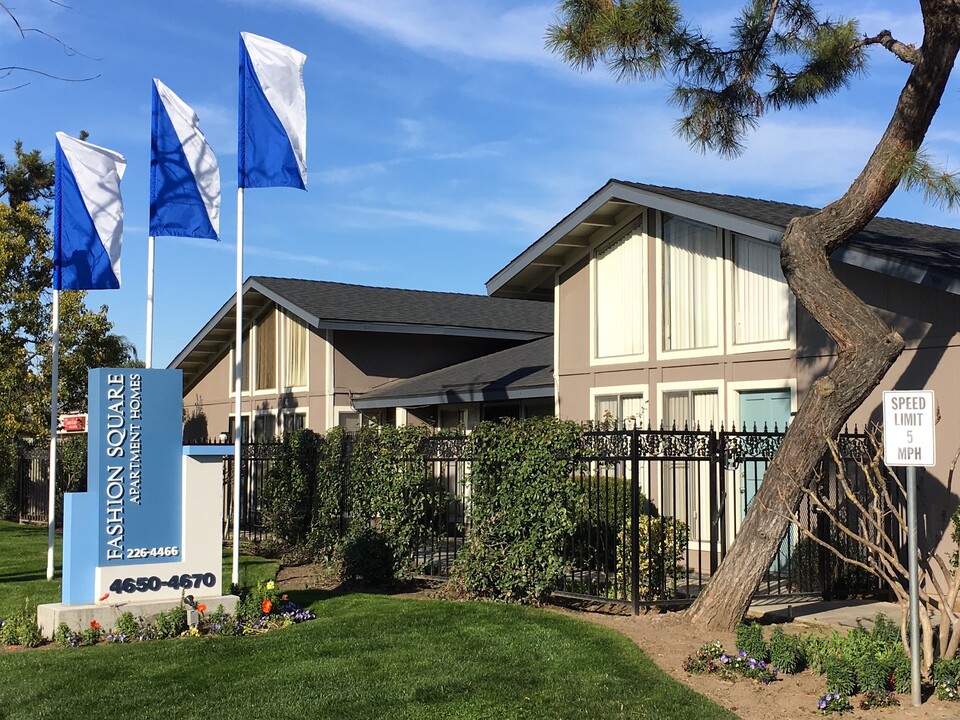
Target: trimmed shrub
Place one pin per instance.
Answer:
(368, 559)
(525, 507)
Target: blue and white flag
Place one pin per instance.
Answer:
(273, 115)
(88, 216)
(184, 174)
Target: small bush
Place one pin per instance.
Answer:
(786, 651)
(171, 623)
(841, 676)
(21, 629)
(750, 640)
(946, 679)
(368, 559)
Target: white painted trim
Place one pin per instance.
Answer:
(730, 310)
(643, 390)
(556, 344)
(662, 352)
(616, 190)
(637, 223)
(329, 354)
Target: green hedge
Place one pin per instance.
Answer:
(524, 507)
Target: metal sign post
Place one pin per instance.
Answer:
(909, 441)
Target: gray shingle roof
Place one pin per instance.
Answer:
(341, 302)
(912, 242)
(522, 371)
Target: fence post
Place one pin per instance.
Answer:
(823, 534)
(635, 520)
(714, 502)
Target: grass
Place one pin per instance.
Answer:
(23, 562)
(365, 656)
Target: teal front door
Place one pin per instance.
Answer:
(763, 410)
(760, 410)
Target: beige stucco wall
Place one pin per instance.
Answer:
(213, 393)
(928, 319)
(361, 361)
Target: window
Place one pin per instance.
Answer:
(266, 360)
(457, 418)
(245, 368)
(684, 485)
(264, 427)
(295, 338)
(761, 295)
(619, 411)
(293, 421)
(244, 428)
(690, 285)
(620, 297)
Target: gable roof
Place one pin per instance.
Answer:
(524, 371)
(924, 254)
(330, 305)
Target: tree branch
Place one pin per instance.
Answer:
(904, 51)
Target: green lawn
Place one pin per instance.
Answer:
(365, 656)
(23, 568)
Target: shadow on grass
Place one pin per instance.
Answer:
(308, 596)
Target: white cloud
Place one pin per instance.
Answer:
(480, 29)
(351, 174)
(381, 217)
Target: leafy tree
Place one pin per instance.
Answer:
(782, 54)
(26, 272)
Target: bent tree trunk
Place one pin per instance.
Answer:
(866, 346)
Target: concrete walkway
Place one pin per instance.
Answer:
(833, 613)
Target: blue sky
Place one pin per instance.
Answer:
(442, 138)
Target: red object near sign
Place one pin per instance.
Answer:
(73, 423)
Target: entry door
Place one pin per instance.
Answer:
(763, 408)
(760, 408)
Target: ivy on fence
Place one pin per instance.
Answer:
(524, 507)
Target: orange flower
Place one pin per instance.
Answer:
(201, 608)
(104, 597)
(266, 606)
(94, 624)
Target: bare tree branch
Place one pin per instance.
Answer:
(904, 51)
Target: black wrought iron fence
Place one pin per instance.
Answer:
(656, 512)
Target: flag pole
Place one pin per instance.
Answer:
(54, 383)
(238, 394)
(148, 357)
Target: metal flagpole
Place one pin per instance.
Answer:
(237, 387)
(54, 383)
(148, 358)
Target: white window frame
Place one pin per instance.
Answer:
(620, 390)
(270, 412)
(660, 301)
(254, 352)
(730, 270)
(637, 226)
(233, 363)
(703, 524)
(281, 416)
(232, 416)
(285, 317)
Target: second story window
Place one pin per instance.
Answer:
(690, 285)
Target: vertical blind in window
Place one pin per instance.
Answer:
(690, 299)
(267, 352)
(683, 484)
(762, 305)
(294, 352)
(620, 297)
(620, 411)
